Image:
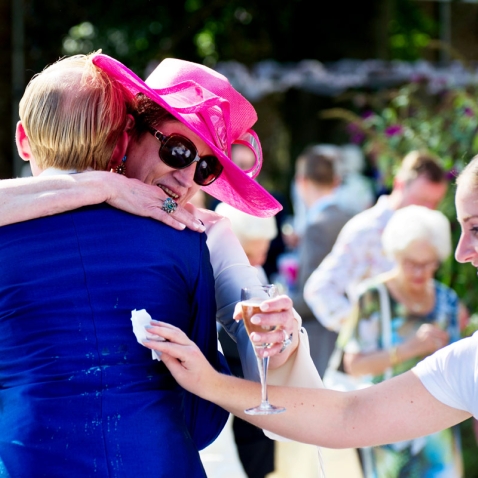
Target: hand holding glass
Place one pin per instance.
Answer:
(252, 297)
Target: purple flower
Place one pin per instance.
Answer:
(452, 174)
(355, 133)
(367, 114)
(468, 112)
(393, 130)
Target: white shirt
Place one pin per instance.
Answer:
(451, 374)
(357, 255)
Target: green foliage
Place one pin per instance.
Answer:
(391, 123)
(411, 30)
(468, 443)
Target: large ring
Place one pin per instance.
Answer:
(169, 205)
(286, 342)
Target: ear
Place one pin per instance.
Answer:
(398, 184)
(23, 145)
(122, 145)
(301, 185)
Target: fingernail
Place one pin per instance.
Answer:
(200, 226)
(148, 327)
(255, 320)
(265, 354)
(254, 337)
(264, 307)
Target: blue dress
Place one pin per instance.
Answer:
(79, 397)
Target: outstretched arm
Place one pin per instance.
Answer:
(22, 199)
(321, 417)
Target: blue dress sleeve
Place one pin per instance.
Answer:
(204, 419)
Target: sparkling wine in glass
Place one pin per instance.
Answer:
(251, 299)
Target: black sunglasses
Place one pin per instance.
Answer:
(179, 152)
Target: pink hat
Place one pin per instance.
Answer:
(206, 103)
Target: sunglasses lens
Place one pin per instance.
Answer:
(208, 170)
(177, 152)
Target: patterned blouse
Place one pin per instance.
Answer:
(437, 455)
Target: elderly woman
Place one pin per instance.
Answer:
(401, 317)
(254, 233)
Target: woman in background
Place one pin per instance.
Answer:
(403, 316)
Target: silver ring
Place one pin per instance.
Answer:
(286, 342)
(169, 205)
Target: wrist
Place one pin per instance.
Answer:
(96, 185)
(393, 355)
(108, 185)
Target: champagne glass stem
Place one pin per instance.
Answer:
(263, 366)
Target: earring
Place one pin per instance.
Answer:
(121, 168)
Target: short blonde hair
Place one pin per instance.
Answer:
(412, 223)
(73, 114)
(247, 227)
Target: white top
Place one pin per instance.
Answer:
(357, 255)
(451, 374)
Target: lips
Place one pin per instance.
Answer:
(169, 192)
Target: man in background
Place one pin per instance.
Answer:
(317, 178)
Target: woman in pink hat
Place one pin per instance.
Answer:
(179, 141)
(79, 395)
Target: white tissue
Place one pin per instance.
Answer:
(141, 319)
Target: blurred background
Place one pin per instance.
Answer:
(382, 77)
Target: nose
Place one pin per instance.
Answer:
(465, 252)
(185, 177)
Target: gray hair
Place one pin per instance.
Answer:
(417, 222)
(247, 227)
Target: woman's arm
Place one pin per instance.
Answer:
(427, 340)
(232, 271)
(22, 199)
(394, 410)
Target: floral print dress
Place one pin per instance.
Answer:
(432, 456)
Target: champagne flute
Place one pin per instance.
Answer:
(252, 297)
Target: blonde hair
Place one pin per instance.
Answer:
(73, 114)
(469, 172)
(412, 223)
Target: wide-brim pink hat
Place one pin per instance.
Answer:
(205, 101)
